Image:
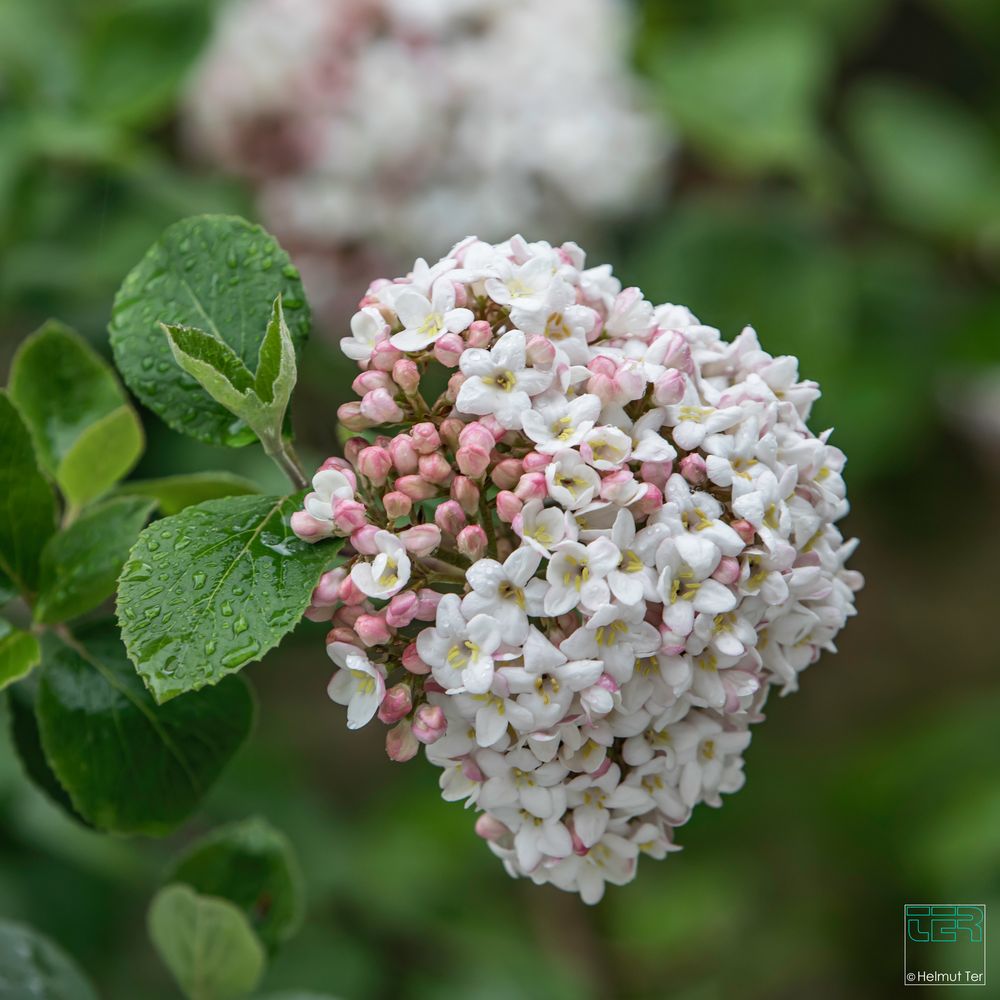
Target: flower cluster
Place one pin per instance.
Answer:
(377, 129)
(575, 572)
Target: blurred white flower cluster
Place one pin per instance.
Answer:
(376, 129)
(575, 573)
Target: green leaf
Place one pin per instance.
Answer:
(253, 865)
(213, 588)
(63, 388)
(33, 968)
(128, 764)
(7, 589)
(19, 653)
(103, 454)
(206, 943)
(215, 273)
(27, 507)
(80, 565)
(174, 493)
(934, 165)
(28, 744)
(276, 367)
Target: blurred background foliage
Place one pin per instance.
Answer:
(837, 185)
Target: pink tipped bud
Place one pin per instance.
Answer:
(372, 630)
(455, 383)
(348, 614)
(416, 487)
(603, 365)
(489, 827)
(327, 591)
(351, 417)
(353, 447)
(508, 506)
(450, 517)
(668, 388)
(402, 609)
(494, 426)
(616, 484)
(429, 724)
(531, 486)
(397, 505)
(350, 594)
(342, 634)
(744, 529)
(396, 705)
(363, 539)
(421, 539)
(540, 352)
(374, 464)
(728, 571)
(412, 662)
(479, 334)
(693, 469)
(370, 380)
(406, 375)
(535, 461)
(384, 356)
(656, 473)
(476, 435)
(309, 528)
(472, 462)
(425, 438)
(435, 468)
(651, 500)
(400, 743)
(461, 294)
(471, 542)
(448, 350)
(318, 612)
(349, 515)
(465, 491)
(379, 407)
(404, 455)
(450, 430)
(507, 473)
(340, 464)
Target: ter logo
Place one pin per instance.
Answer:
(944, 923)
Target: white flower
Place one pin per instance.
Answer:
(540, 527)
(388, 573)
(506, 592)
(562, 423)
(460, 652)
(359, 684)
(328, 485)
(577, 575)
(426, 320)
(616, 634)
(367, 327)
(498, 381)
(526, 286)
(572, 482)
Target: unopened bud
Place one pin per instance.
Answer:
(471, 542)
(396, 705)
(400, 743)
(429, 724)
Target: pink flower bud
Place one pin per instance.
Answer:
(404, 455)
(615, 484)
(540, 352)
(406, 375)
(450, 430)
(461, 294)
(471, 542)
(507, 473)
(656, 473)
(342, 634)
(693, 469)
(429, 724)
(347, 614)
(372, 630)
(402, 609)
(425, 438)
(428, 601)
(448, 350)
(435, 468)
(370, 380)
(374, 464)
(421, 539)
(328, 589)
(668, 388)
(651, 500)
(349, 515)
(396, 705)
(603, 365)
(412, 662)
(744, 529)
(535, 461)
(384, 356)
(363, 539)
(379, 407)
(532, 486)
(728, 571)
(493, 426)
(479, 334)
(318, 612)
(465, 491)
(309, 528)
(450, 517)
(508, 506)
(489, 827)
(351, 417)
(350, 594)
(396, 505)
(472, 462)
(416, 487)
(476, 435)
(341, 465)
(353, 447)
(400, 743)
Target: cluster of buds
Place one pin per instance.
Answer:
(578, 565)
(374, 130)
